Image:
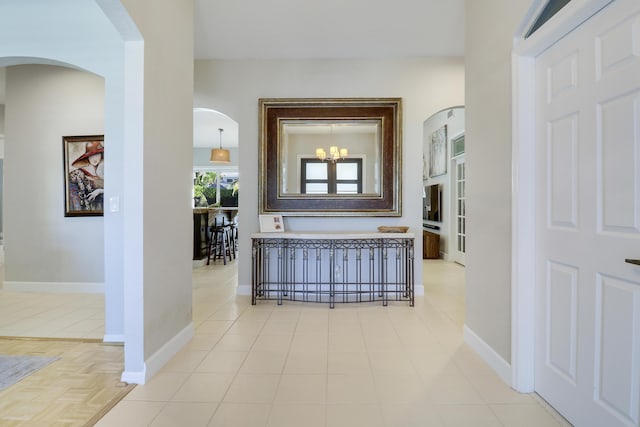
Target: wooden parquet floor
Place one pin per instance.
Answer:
(74, 391)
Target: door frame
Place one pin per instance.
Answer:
(523, 231)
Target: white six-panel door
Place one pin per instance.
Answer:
(588, 220)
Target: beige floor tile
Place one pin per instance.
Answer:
(185, 361)
(346, 343)
(518, 415)
(452, 389)
(302, 389)
(286, 313)
(203, 387)
(431, 365)
(246, 327)
(312, 327)
(390, 362)
(253, 388)
(240, 415)
(306, 363)
(494, 390)
(309, 343)
(351, 388)
(279, 327)
(275, 343)
(253, 315)
(161, 388)
(202, 342)
(264, 362)
(415, 414)
(348, 363)
(399, 388)
(131, 414)
(222, 361)
(354, 415)
(184, 414)
(235, 342)
(468, 415)
(213, 327)
(382, 343)
(470, 363)
(297, 415)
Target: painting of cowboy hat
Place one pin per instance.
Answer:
(83, 175)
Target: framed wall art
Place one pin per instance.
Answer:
(83, 158)
(438, 152)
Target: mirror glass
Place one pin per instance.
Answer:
(330, 157)
(304, 144)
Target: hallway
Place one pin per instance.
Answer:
(265, 365)
(303, 364)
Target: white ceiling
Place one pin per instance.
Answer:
(262, 29)
(206, 129)
(304, 29)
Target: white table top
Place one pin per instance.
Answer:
(332, 235)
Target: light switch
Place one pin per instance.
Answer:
(114, 204)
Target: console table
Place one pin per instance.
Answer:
(328, 267)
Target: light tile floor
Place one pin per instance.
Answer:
(308, 365)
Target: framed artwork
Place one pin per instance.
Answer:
(83, 158)
(271, 224)
(438, 152)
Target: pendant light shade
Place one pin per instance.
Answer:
(220, 155)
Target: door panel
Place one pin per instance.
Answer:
(588, 220)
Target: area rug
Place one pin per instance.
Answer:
(15, 368)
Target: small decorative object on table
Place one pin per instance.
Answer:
(271, 224)
(393, 229)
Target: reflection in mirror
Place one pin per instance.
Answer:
(308, 166)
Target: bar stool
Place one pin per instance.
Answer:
(219, 242)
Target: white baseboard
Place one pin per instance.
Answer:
(54, 287)
(138, 377)
(160, 358)
(168, 350)
(418, 290)
(488, 354)
(113, 338)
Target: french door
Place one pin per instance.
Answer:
(460, 214)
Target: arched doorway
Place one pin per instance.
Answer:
(48, 254)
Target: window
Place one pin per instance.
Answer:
(551, 8)
(325, 177)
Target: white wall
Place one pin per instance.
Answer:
(167, 28)
(426, 86)
(455, 127)
(490, 29)
(43, 247)
(77, 32)
(148, 74)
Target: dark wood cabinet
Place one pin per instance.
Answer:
(430, 245)
(200, 233)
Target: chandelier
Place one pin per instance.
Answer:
(220, 155)
(335, 153)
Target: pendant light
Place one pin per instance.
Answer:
(219, 155)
